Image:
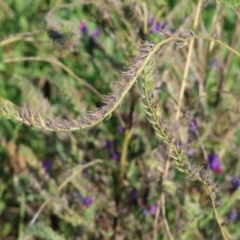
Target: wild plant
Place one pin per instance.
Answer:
(112, 180)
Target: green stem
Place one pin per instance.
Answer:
(38, 122)
(223, 229)
(123, 159)
(21, 216)
(154, 116)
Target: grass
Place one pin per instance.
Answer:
(120, 179)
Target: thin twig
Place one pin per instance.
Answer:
(20, 36)
(161, 202)
(164, 217)
(227, 63)
(223, 229)
(123, 159)
(185, 74)
(21, 217)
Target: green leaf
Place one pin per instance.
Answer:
(43, 232)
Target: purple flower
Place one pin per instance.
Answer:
(156, 27)
(83, 28)
(214, 163)
(108, 145)
(47, 166)
(145, 212)
(113, 156)
(96, 32)
(153, 209)
(111, 147)
(164, 24)
(81, 199)
(121, 129)
(191, 152)
(193, 125)
(88, 201)
(150, 21)
(178, 145)
(235, 183)
(233, 215)
(133, 196)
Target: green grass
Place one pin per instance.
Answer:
(103, 183)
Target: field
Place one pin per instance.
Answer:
(119, 120)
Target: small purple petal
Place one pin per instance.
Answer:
(156, 27)
(114, 156)
(88, 201)
(193, 125)
(214, 163)
(81, 199)
(205, 166)
(153, 209)
(164, 24)
(107, 145)
(233, 215)
(133, 193)
(121, 129)
(133, 196)
(178, 144)
(191, 152)
(145, 212)
(83, 28)
(235, 182)
(150, 21)
(96, 32)
(47, 166)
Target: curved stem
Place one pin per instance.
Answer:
(112, 101)
(154, 113)
(123, 159)
(222, 228)
(21, 36)
(21, 213)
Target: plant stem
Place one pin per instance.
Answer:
(21, 216)
(123, 159)
(185, 74)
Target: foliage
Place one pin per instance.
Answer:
(42, 232)
(165, 160)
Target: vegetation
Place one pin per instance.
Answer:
(155, 84)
